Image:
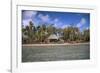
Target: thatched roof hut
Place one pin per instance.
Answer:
(53, 38)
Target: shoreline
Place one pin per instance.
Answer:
(64, 44)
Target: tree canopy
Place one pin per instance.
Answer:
(38, 34)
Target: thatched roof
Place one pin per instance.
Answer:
(53, 36)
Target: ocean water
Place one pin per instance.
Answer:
(55, 53)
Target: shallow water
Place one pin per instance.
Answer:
(55, 53)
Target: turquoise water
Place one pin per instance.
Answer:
(55, 53)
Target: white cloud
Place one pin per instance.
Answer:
(82, 22)
(25, 22)
(40, 15)
(55, 25)
(79, 25)
(29, 14)
(44, 18)
(87, 28)
(27, 17)
(65, 26)
(56, 20)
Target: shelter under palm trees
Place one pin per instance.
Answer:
(53, 38)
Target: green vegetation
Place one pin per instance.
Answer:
(32, 34)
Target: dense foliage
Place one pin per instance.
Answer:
(39, 34)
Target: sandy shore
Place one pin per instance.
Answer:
(54, 44)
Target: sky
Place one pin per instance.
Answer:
(58, 19)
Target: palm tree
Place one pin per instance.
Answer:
(71, 33)
(29, 31)
(86, 35)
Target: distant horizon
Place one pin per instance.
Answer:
(58, 19)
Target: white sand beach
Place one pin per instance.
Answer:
(54, 44)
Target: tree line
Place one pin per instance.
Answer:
(39, 34)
